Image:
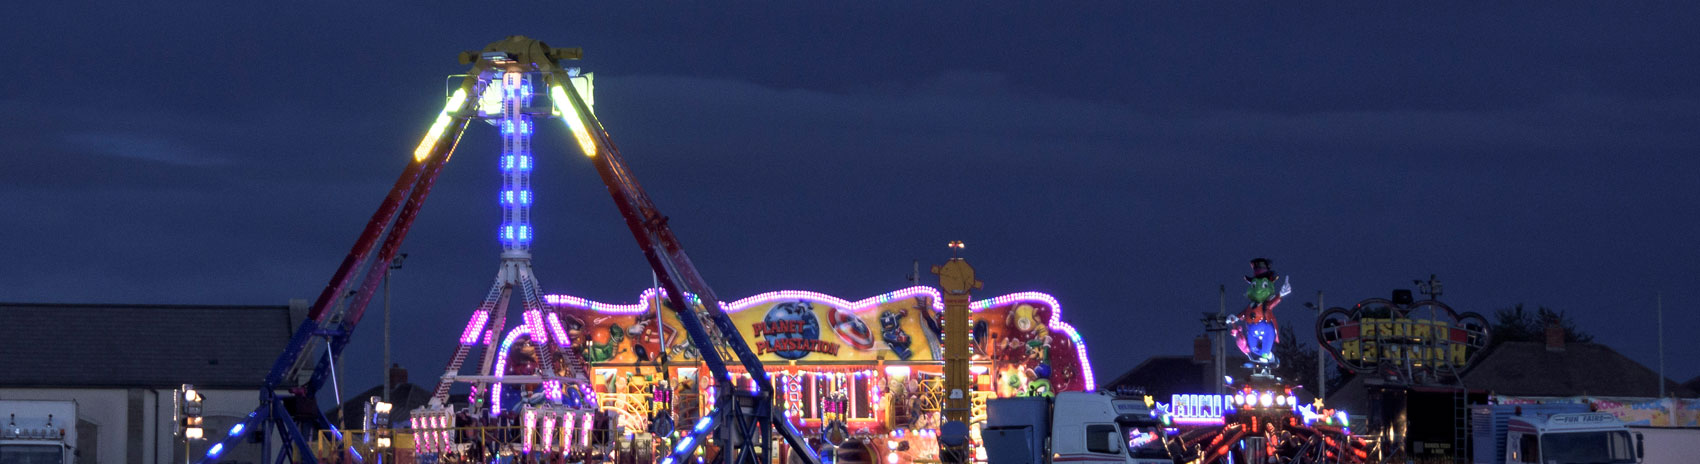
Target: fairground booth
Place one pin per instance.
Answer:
(865, 374)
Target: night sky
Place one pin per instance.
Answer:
(1126, 157)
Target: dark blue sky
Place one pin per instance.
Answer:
(1125, 157)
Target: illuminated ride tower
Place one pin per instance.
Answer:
(742, 426)
(1261, 420)
(506, 101)
(511, 96)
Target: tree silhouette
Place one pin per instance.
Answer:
(1516, 324)
(1298, 362)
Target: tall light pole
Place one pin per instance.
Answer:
(394, 265)
(1215, 325)
(1659, 308)
(1219, 341)
(1321, 359)
(1321, 372)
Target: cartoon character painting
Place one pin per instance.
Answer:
(1040, 382)
(1025, 339)
(644, 333)
(1021, 344)
(1011, 382)
(602, 345)
(891, 330)
(977, 338)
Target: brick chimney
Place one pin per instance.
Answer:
(1201, 349)
(398, 375)
(1555, 337)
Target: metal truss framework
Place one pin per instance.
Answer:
(742, 422)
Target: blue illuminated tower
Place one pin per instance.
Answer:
(515, 232)
(510, 99)
(513, 82)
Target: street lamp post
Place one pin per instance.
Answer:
(1321, 362)
(393, 265)
(1321, 359)
(189, 417)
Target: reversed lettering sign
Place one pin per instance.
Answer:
(1425, 336)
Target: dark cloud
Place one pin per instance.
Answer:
(1128, 158)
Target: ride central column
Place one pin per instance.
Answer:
(516, 162)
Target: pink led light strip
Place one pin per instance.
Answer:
(474, 327)
(534, 326)
(530, 430)
(560, 333)
(502, 368)
(1056, 322)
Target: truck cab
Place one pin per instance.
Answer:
(1575, 438)
(1073, 427)
(37, 432)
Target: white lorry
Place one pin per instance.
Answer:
(1669, 445)
(1074, 427)
(1552, 434)
(38, 432)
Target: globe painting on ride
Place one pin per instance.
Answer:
(790, 330)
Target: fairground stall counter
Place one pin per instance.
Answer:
(865, 374)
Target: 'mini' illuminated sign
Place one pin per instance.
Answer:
(1197, 409)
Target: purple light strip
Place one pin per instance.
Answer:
(1199, 420)
(534, 325)
(649, 296)
(858, 307)
(560, 333)
(605, 308)
(417, 444)
(502, 368)
(474, 326)
(552, 390)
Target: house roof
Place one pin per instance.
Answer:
(1162, 376)
(1352, 396)
(1530, 369)
(100, 345)
(406, 397)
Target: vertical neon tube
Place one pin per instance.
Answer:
(584, 434)
(515, 197)
(567, 432)
(546, 434)
(529, 431)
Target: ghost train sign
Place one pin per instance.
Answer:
(1421, 339)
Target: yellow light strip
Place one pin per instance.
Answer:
(565, 106)
(437, 128)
